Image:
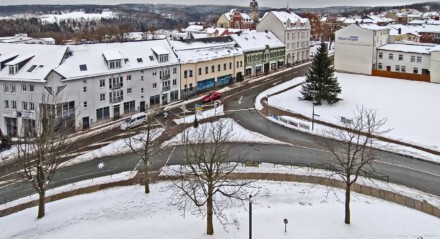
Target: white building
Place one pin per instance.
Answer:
(292, 30)
(23, 38)
(355, 47)
(435, 64)
(410, 61)
(93, 83)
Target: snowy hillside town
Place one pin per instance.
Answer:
(119, 121)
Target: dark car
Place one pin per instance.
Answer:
(211, 97)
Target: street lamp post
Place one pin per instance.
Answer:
(250, 216)
(267, 101)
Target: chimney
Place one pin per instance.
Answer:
(399, 31)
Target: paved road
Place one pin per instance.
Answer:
(307, 149)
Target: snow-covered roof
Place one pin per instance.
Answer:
(373, 27)
(257, 41)
(404, 29)
(422, 22)
(244, 16)
(160, 50)
(136, 55)
(408, 47)
(192, 28)
(204, 50)
(39, 60)
(292, 17)
(112, 54)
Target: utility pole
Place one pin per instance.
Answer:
(250, 216)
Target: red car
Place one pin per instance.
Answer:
(211, 97)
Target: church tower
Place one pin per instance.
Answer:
(253, 11)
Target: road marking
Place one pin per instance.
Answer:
(413, 169)
(170, 156)
(239, 101)
(240, 110)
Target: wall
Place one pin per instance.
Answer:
(435, 66)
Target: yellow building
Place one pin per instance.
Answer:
(207, 64)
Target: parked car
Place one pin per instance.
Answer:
(211, 97)
(133, 121)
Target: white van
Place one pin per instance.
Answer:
(133, 121)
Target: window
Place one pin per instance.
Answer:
(6, 87)
(142, 90)
(84, 88)
(230, 65)
(154, 73)
(390, 56)
(190, 86)
(241, 63)
(128, 91)
(224, 66)
(416, 70)
(14, 104)
(139, 60)
(24, 87)
(102, 83)
(403, 68)
(419, 59)
(380, 55)
(400, 57)
(238, 64)
(413, 59)
(154, 85)
(212, 68)
(288, 36)
(128, 77)
(397, 68)
(154, 100)
(24, 105)
(31, 88)
(218, 67)
(85, 104)
(200, 71)
(379, 66)
(163, 58)
(6, 104)
(142, 78)
(174, 70)
(102, 113)
(185, 74)
(174, 82)
(115, 64)
(31, 106)
(190, 73)
(102, 97)
(174, 95)
(83, 67)
(206, 70)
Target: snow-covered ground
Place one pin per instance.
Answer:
(409, 106)
(189, 118)
(78, 15)
(239, 134)
(312, 212)
(120, 146)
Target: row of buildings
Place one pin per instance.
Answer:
(94, 83)
(368, 49)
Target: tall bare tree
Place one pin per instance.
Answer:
(205, 178)
(42, 145)
(353, 152)
(145, 146)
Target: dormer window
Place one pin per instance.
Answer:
(115, 64)
(161, 54)
(163, 58)
(13, 69)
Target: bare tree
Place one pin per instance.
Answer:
(205, 178)
(42, 145)
(353, 152)
(145, 146)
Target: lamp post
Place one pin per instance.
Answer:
(250, 216)
(267, 100)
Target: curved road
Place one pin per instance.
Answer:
(304, 149)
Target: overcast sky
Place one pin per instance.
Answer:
(265, 3)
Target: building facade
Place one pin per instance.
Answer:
(92, 84)
(263, 52)
(292, 30)
(356, 46)
(207, 64)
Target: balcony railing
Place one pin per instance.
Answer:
(116, 86)
(165, 77)
(166, 88)
(116, 99)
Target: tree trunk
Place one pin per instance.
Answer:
(209, 226)
(347, 203)
(41, 204)
(146, 179)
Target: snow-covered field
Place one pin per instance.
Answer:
(51, 18)
(312, 212)
(410, 107)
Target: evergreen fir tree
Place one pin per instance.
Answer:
(320, 79)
